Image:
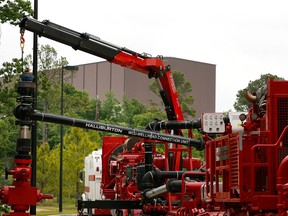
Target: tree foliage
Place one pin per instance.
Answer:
(141, 120)
(10, 12)
(111, 109)
(13, 11)
(132, 108)
(77, 145)
(76, 103)
(8, 85)
(47, 166)
(48, 87)
(241, 104)
(50, 70)
(128, 112)
(184, 89)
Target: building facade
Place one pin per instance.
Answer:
(101, 77)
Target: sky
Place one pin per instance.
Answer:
(244, 39)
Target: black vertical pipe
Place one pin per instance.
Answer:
(34, 126)
(148, 157)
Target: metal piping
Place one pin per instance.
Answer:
(250, 97)
(154, 178)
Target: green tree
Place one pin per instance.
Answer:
(184, 89)
(128, 112)
(8, 85)
(111, 109)
(77, 145)
(13, 11)
(241, 104)
(48, 82)
(47, 166)
(8, 94)
(131, 108)
(10, 12)
(75, 105)
(8, 140)
(49, 91)
(91, 111)
(142, 120)
(76, 102)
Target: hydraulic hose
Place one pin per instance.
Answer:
(162, 125)
(154, 178)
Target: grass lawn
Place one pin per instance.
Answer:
(52, 208)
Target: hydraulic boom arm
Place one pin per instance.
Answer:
(153, 67)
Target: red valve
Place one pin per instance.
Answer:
(21, 173)
(43, 196)
(21, 195)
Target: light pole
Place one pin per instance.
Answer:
(61, 134)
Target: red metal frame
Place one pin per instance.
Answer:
(118, 186)
(244, 165)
